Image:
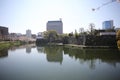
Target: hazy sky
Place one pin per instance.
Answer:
(20, 15)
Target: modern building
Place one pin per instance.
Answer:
(28, 33)
(108, 25)
(55, 25)
(3, 33)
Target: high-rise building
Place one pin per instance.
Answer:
(55, 25)
(3, 33)
(108, 24)
(28, 33)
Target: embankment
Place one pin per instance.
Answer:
(9, 44)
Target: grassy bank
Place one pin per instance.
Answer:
(8, 44)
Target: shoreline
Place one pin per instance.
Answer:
(89, 47)
(82, 46)
(9, 44)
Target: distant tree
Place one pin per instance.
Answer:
(46, 34)
(70, 34)
(81, 30)
(113, 27)
(51, 35)
(76, 34)
(65, 39)
(61, 36)
(96, 32)
(92, 28)
(64, 35)
(72, 38)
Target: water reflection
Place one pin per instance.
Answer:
(40, 49)
(3, 53)
(91, 56)
(28, 49)
(53, 53)
(76, 64)
(27, 46)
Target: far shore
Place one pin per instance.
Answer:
(82, 46)
(9, 44)
(89, 47)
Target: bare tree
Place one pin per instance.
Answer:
(81, 30)
(92, 28)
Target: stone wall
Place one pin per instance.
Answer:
(106, 40)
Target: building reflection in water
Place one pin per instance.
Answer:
(28, 49)
(53, 54)
(89, 56)
(3, 53)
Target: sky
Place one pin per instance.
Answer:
(20, 15)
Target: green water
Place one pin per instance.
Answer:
(59, 63)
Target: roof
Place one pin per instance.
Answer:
(53, 21)
(2, 27)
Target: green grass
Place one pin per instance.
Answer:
(7, 45)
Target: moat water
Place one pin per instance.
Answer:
(32, 62)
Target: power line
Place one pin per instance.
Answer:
(94, 9)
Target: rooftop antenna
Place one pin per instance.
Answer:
(94, 9)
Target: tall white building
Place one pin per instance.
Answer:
(55, 25)
(28, 33)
